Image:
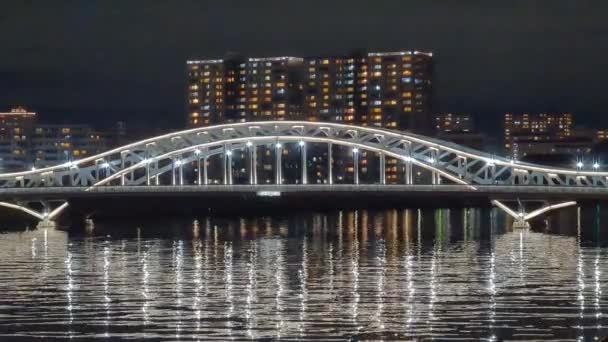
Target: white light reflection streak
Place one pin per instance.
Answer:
(598, 291)
(178, 262)
(228, 285)
(145, 290)
(581, 290)
(279, 279)
(69, 289)
(198, 286)
(33, 248)
(331, 276)
(492, 292)
(106, 287)
(251, 286)
(432, 293)
(411, 292)
(381, 258)
(303, 275)
(355, 285)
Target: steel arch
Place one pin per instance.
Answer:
(443, 159)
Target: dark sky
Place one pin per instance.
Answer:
(102, 61)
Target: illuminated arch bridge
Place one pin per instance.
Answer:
(190, 157)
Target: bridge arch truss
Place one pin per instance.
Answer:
(163, 159)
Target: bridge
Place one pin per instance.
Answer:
(300, 157)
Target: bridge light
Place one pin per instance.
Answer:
(301, 143)
(249, 144)
(579, 164)
(355, 150)
(407, 159)
(178, 162)
(105, 165)
(596, 165)
(229, 153)
(432, 160)
(33, 168)
(197, 152)
(278, 145)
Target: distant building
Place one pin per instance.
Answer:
(601, 135)
(540, 136)
(56, 144)
(15, 133)
(381, 89)
(459, 128)
(454, 123)
(239, 90)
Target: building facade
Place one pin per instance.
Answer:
(15, 134)
(55, 144)
(381, 89)
(454, 123)
(538, 134)
(243, 89)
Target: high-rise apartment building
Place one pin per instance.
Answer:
(15, 133)
(529, 134)
(381, 89)
(335, 88)
(399, 90)
(243, 89)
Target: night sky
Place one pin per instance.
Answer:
(102, 61)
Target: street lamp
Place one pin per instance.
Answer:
(579, 164)
(596, 165)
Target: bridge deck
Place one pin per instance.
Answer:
(462, 191)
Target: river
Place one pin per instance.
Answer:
(354, 274)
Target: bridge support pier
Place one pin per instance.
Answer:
(46, 223)
(382, 169)
(181, 172)
(278, 157)
(227, 166)
(304, 165)
(521, 218)
(198, 172)
(356, 166)
(173, 172)
(251, 162)
(330, 177)
(254, 167)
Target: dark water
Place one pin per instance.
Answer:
(361, 275)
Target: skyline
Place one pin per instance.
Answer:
(95, 63)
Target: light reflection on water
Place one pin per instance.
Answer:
(393, 274)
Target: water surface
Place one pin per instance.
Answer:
(393, 274)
